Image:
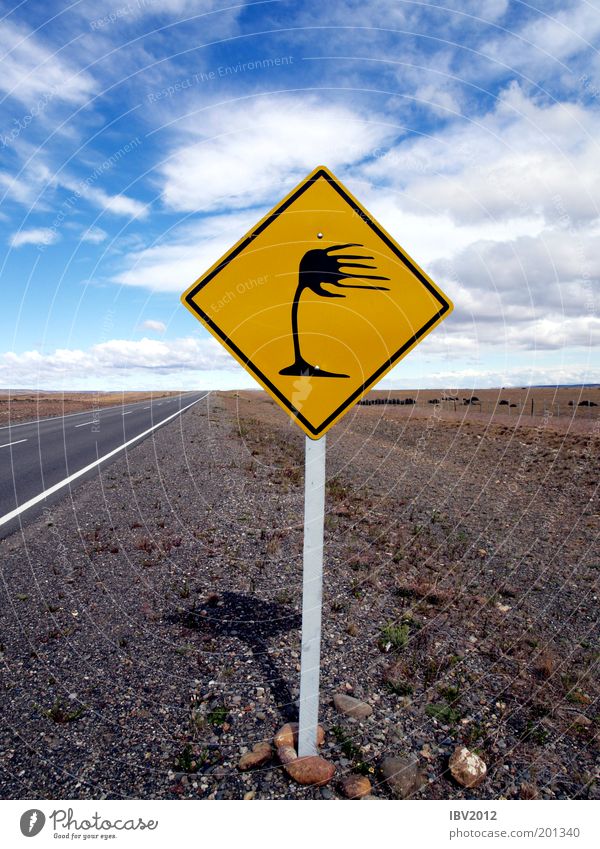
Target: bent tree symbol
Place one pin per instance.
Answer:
(319, 267)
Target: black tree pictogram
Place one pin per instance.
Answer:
(319, 267)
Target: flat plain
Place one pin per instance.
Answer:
(150, 621)
(26, 406)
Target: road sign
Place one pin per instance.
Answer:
(317, 302)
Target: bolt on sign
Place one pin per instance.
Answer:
(317, 302)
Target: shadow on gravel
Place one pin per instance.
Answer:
(253, 621)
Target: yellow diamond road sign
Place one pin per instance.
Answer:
(317, 302)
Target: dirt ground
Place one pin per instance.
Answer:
(150, 622)
(28, 406)
(565, 403)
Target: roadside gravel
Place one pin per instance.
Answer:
(150, 623)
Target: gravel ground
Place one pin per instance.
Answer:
(150, 624)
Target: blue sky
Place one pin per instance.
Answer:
(139, 140)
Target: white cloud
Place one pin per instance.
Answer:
(34, 73)
(25, 187)
(34, 236)
(556, 36)
(194, 362)
(489, 10)
(114, 360)
(95, 235)
(481, 376)
(246, 153)
(156, 326)
(521, 160)
(30, 185)
(555, 333)
(502, 213)
(116, 204)
(173, 266)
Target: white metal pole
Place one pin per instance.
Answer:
(312, 593)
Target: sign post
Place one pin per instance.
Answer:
(318, 303)
(312, 594)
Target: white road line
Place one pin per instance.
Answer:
(83, 424)
(146, 408)
(83, 413)
(128, 413)
(6, 444)
(55, 488)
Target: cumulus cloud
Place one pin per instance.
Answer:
(242, 154)
(156, 326)
(95, 235)
(34, 236)
(553, 273)
(525, 158)
(113, 359)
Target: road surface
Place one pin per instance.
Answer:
(41, 460)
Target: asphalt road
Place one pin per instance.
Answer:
(41, 460)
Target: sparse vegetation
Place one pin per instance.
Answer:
(190, 759)
(353, 752)
(535, 733)
(394, 637)
(217, 715)
(443, 712)
(399, 687)
(336, 490)
(61, 713)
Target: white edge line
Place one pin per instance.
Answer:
(16, 442)
(83, 424)
(55, 487)
(86, 412)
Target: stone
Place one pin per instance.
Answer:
(467, 768)
(403, 776)
(288, 735)
(350, 706)
(286, 754)
(311, 770)
(260, 754)
(355, 786)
